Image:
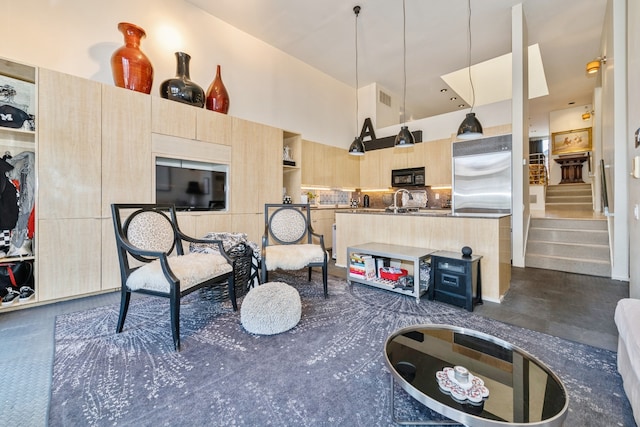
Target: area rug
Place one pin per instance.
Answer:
(326, 371)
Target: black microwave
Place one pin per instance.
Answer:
(407, 177)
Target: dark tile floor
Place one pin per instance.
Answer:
(571, 306)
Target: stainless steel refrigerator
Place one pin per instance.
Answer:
(482, 176)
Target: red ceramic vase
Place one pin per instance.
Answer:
(130, 67)
(217, 96)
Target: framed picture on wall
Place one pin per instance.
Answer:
(571, 141)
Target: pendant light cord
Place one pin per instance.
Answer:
(356, 10)
(473, 91)
(404, 56)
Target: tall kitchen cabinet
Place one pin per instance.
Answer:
(69, 185)
(256, 164)
(127, 170)
(19, 91)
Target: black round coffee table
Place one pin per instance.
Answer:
(473, 378)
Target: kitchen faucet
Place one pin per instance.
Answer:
(395, 196)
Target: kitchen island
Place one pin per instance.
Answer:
(489, 235)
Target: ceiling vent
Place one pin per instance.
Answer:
(384, 98)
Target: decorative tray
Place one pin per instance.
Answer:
(462, 385)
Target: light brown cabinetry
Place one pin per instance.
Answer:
(173, 118)
(69, 147)
(329, 166)
(347, 174)
(189, 122)
(318, 164)
(95, 146)
(437, 158)
(322, 222)
(69, 257)
(127, 169)
(213, 127)
(370, 173)
(69, 185)
(256, 164)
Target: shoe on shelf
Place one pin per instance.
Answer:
(10, 297)
(26, 293)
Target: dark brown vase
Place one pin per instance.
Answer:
(130, 67)
(181, 88)
(217, 96)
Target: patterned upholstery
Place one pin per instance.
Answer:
(288, 225)
(289, 242)
(151, 255)
(151, 231)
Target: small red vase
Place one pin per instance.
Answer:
(217, 96)
(130, 67)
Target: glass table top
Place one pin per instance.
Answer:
(521, 389)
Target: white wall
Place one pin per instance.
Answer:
(444, 125)
(614, 131)
(566, 120)
(520, 129)
(633, 64)
(78, 37)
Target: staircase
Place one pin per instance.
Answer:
(574, 245)
(569, 196)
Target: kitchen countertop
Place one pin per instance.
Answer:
(424, 212)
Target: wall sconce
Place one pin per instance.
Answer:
(586, 116)
(594, 66)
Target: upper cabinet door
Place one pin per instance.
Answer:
(126, 147)
(173, 118)
(69, 146)
(347, 169)
(213, 127)
(370, 173)
(256, 166)
(438, 161)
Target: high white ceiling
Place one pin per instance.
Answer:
(322, 34)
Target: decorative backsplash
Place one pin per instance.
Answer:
(330, 197)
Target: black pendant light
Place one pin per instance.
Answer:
(470, 128)
(357, 146)
(404, 138)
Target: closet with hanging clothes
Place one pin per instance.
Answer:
(17, 183)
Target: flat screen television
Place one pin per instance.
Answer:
(191, 185)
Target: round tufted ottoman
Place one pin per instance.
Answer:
(270, 309)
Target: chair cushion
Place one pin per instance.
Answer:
(270, 309)
(292, 257)
(191, 269)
